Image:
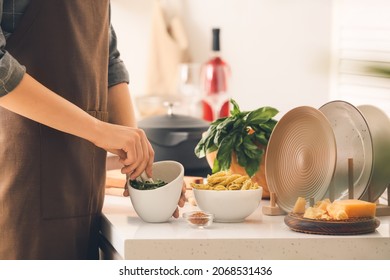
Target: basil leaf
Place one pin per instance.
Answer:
(251, 150)
(222, 130)
(239, 124)
(201, 148)
(261, 115)
(206, 143)
(241, 157)
(239, 139)
(226, 124)
(217, 122)
(224, 154)
(211, 149)
(261, 138)
(268, 126)
(253, 165)
(209, 143)
(216, 168)
(236, 109)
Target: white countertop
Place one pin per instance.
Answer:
(258, 237)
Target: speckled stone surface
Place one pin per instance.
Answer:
(258, 237)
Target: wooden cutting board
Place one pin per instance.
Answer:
(115, 179)
(115, 182)
(353, 226)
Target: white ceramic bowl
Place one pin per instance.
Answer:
(228, 206)
(158, 205)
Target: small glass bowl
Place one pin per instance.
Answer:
(199, 219)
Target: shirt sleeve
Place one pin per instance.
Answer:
(117, 72)
(11, 71)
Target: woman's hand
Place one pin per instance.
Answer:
(131, 145)
(180, 203)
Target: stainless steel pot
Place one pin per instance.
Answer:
(174, 137)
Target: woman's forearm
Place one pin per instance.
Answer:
(36, 102)
(120, 106)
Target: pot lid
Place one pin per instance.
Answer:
(173, 121)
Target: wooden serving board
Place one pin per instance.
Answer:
(352, 226)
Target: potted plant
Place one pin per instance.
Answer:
(238, 142)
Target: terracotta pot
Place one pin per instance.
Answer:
(259, 176)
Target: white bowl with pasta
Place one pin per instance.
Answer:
(231, 204)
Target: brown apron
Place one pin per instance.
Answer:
(52, 183)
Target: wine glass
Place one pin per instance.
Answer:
(189, 88)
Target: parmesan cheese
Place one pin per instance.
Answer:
(322, 204)
(300, 206)
(337, 210)
(353, 208)
(314, 213)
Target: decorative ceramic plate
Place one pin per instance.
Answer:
(352, 226)
(353, 141)
(379, 125)
(301, 157)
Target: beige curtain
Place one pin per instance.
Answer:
(168, 48)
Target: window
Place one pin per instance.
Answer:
(361, 52)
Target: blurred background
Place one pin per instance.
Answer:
(282, 53)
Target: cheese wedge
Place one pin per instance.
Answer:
(352, 208)
(300, 206)
(322, 204)
(314, 213)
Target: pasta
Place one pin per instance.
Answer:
(225, 181)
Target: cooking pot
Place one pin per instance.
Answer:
(174, 137)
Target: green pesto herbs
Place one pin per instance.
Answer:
(147, 185)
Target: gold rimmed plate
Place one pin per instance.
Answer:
(353, 141)
(301, 157)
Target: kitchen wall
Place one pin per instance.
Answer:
(361, 52)
(279, 50)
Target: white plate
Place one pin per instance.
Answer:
(379, 125)
(353, 141)
(301, 157)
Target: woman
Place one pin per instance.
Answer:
(59, 114)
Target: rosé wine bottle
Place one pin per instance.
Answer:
(215, 74)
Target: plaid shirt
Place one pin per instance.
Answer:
(11, 71)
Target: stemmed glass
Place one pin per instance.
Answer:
(189, 88)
